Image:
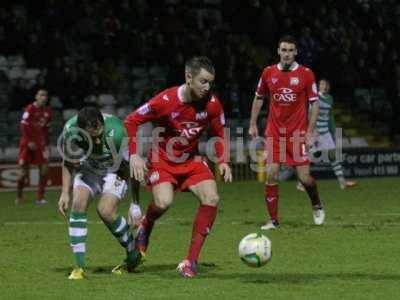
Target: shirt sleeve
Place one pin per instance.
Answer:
(120, 135)
(150, 111)
(312, 91)
(26, 124)
(46, 127)
(262, 86)
(221, 146)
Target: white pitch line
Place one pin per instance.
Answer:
(328, 224)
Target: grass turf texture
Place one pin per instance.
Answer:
(354, 256)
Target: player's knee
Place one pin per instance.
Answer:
(272, 178)
(22, 174)
(44, 171)
(306, 179)
(163, 202)
(105, 212)
(210, 199)
(78, 206)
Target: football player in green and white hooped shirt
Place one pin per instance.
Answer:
(97, 167)
(326, 133)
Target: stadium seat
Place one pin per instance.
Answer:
(158, 71)
(54, 153)
(3, 63)
(3, 100)
(69, 113)
(108, 109)
(106, 99)
(13, 117)
(11, 153)
(122, 112)
(141, 84)
(15, 73)
(91, 99)
(139, 71)
(363, 98)
(55, 103)
(16, 61)
(31, 74)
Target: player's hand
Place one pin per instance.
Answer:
(63, 203)
(134, 215)
(46, 152)
(137, 167)
(310, 137)
(225, 171)
(253, 130)
(32, 146)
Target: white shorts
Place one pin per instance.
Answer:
(323, 142)
(110, 183)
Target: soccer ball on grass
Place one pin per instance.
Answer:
(255, 250)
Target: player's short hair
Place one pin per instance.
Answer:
(90, 117)
(195, 64)
(324, 79)
(287, 39)
(41, 90)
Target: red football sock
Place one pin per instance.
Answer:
(312, 192)
(152, 214)
(271, 199)
(201, 227)
(41, 186)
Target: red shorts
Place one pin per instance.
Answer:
(33, 157)
(286, 151)
(182, 175)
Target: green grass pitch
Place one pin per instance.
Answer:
(354, 256)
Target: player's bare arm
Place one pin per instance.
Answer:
(135, 212)
(312, 122)
(67, 171)
(255, 111)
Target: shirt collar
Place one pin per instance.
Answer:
(293, 67)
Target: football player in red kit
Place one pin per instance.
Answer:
(34, 144)
(292, 89)
(181, 114)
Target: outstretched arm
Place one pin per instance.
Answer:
(67, 171)
(134, 213)
(255, 111)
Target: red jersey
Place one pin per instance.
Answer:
(35, 125)
(289, 93)
(181, 123)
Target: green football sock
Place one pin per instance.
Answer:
(120, 229)
(77, 236)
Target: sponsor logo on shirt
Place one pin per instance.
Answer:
(222, 118)
(192, 129)
(144, 109)
(284, 95)
(154, 177)
(274, 80)
(314, 88)
(201, 115)
(294, 80)
(174, 115)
